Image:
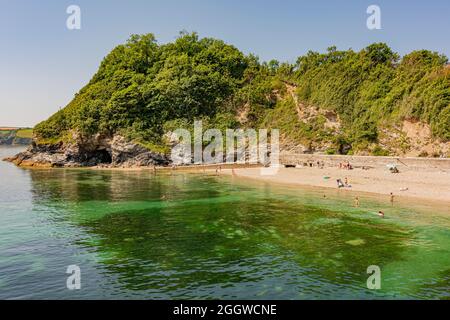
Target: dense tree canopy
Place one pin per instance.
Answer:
(141, 85)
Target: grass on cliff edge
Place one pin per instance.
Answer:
(24, 133)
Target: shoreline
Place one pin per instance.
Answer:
(427, 186)
(426, 182)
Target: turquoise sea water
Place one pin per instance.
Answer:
(141, 236)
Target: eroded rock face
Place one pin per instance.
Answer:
(97, 150)
(130, 154)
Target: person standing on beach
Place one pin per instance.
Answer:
(392, 198)
(357, 202)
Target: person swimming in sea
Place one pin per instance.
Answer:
(381, 213)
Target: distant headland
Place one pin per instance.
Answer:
(15, 136)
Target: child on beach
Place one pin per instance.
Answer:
(357, 202)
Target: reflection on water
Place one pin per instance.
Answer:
(137, 235)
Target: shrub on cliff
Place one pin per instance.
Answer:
(373, 86)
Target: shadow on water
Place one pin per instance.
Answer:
(196, 236)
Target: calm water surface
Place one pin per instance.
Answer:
(136, 235)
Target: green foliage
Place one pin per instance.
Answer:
(143, 89)
(379, 151)
(141, 85)
(371, 86)
(284, 117)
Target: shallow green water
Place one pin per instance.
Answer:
(136, 235)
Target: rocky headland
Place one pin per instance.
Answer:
(97, 150)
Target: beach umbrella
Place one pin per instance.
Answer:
(391, 166)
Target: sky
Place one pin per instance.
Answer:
(43, 63)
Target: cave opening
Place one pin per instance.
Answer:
(98, 157)
(103, 157)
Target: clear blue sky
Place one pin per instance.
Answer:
(43, 64)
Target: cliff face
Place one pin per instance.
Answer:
(409, 138)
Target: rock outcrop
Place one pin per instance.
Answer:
(97, 150)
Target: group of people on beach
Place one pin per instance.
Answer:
(311, 164)
(345, 165)
(344, 184)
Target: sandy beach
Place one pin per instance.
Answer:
(432, 184)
